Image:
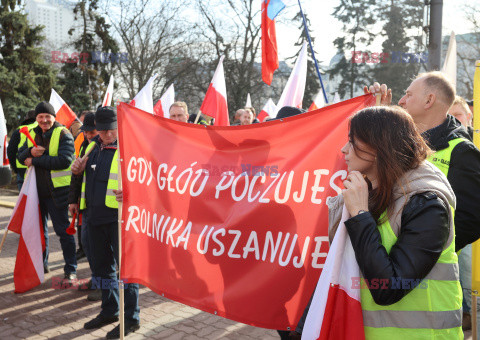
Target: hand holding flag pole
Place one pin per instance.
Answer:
(25, 131)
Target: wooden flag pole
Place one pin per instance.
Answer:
(121, 290)
(379, 99)
(198, 117)
(3, 239)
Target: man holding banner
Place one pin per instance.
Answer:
(427, 100)
(99, 187)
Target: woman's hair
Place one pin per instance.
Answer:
(399, 147)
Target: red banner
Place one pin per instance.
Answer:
(231, 220)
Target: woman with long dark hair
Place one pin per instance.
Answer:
(401, 229)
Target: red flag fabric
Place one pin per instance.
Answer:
(318, 101)
(162, 107)
(270, 9)
(26, 221)
(234, 224)
(64, 113)
(268, 110)
(336, 310)
(215, 102)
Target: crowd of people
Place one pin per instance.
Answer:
(411, 192)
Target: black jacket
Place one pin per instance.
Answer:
(464, 177)
(45, 163)
(97, 172)
(76, 181)
(423, 233)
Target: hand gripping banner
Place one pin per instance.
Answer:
(232, 221)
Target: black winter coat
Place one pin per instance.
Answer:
(463, 176)
(423, 233)
(45, 163)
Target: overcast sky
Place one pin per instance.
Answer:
(325, 28)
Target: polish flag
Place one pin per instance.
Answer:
(215, 103)
(107, 100)
(268, 110)
(64, 113)
(270, 10)
(26, 221)
(318, 102)
(162, 107)
(450, 64)
(293, 93)
(144, 99)
(336, 311)
(3, 139)
(249, 101)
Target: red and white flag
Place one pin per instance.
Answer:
(293, 93)
(215, 103)
(65, 114)
(3, 138)
(26, 221)
(107, 99)
(336, 311)
(318, 102)
(162, 107)
(144, 99)
(268, 110)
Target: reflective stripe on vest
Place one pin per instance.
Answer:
(23, 138)
(432, 310)
(110, 199)
(441, 158)
(60, 178)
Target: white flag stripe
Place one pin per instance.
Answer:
(107, 99)
(450, 64)
(56, 101)
(292, 95)
(167, 99)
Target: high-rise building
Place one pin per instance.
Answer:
(57, 17)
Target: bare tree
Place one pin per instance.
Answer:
(155, 36)
(468, 50)
(231, 28)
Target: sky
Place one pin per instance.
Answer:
(325, 28)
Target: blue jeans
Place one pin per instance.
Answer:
(104, 250)
(20, 179)
(85, 240)
(60, 223)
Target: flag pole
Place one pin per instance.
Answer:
(121, 290)
(198, 117)
(313, 53)
(3, 239)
